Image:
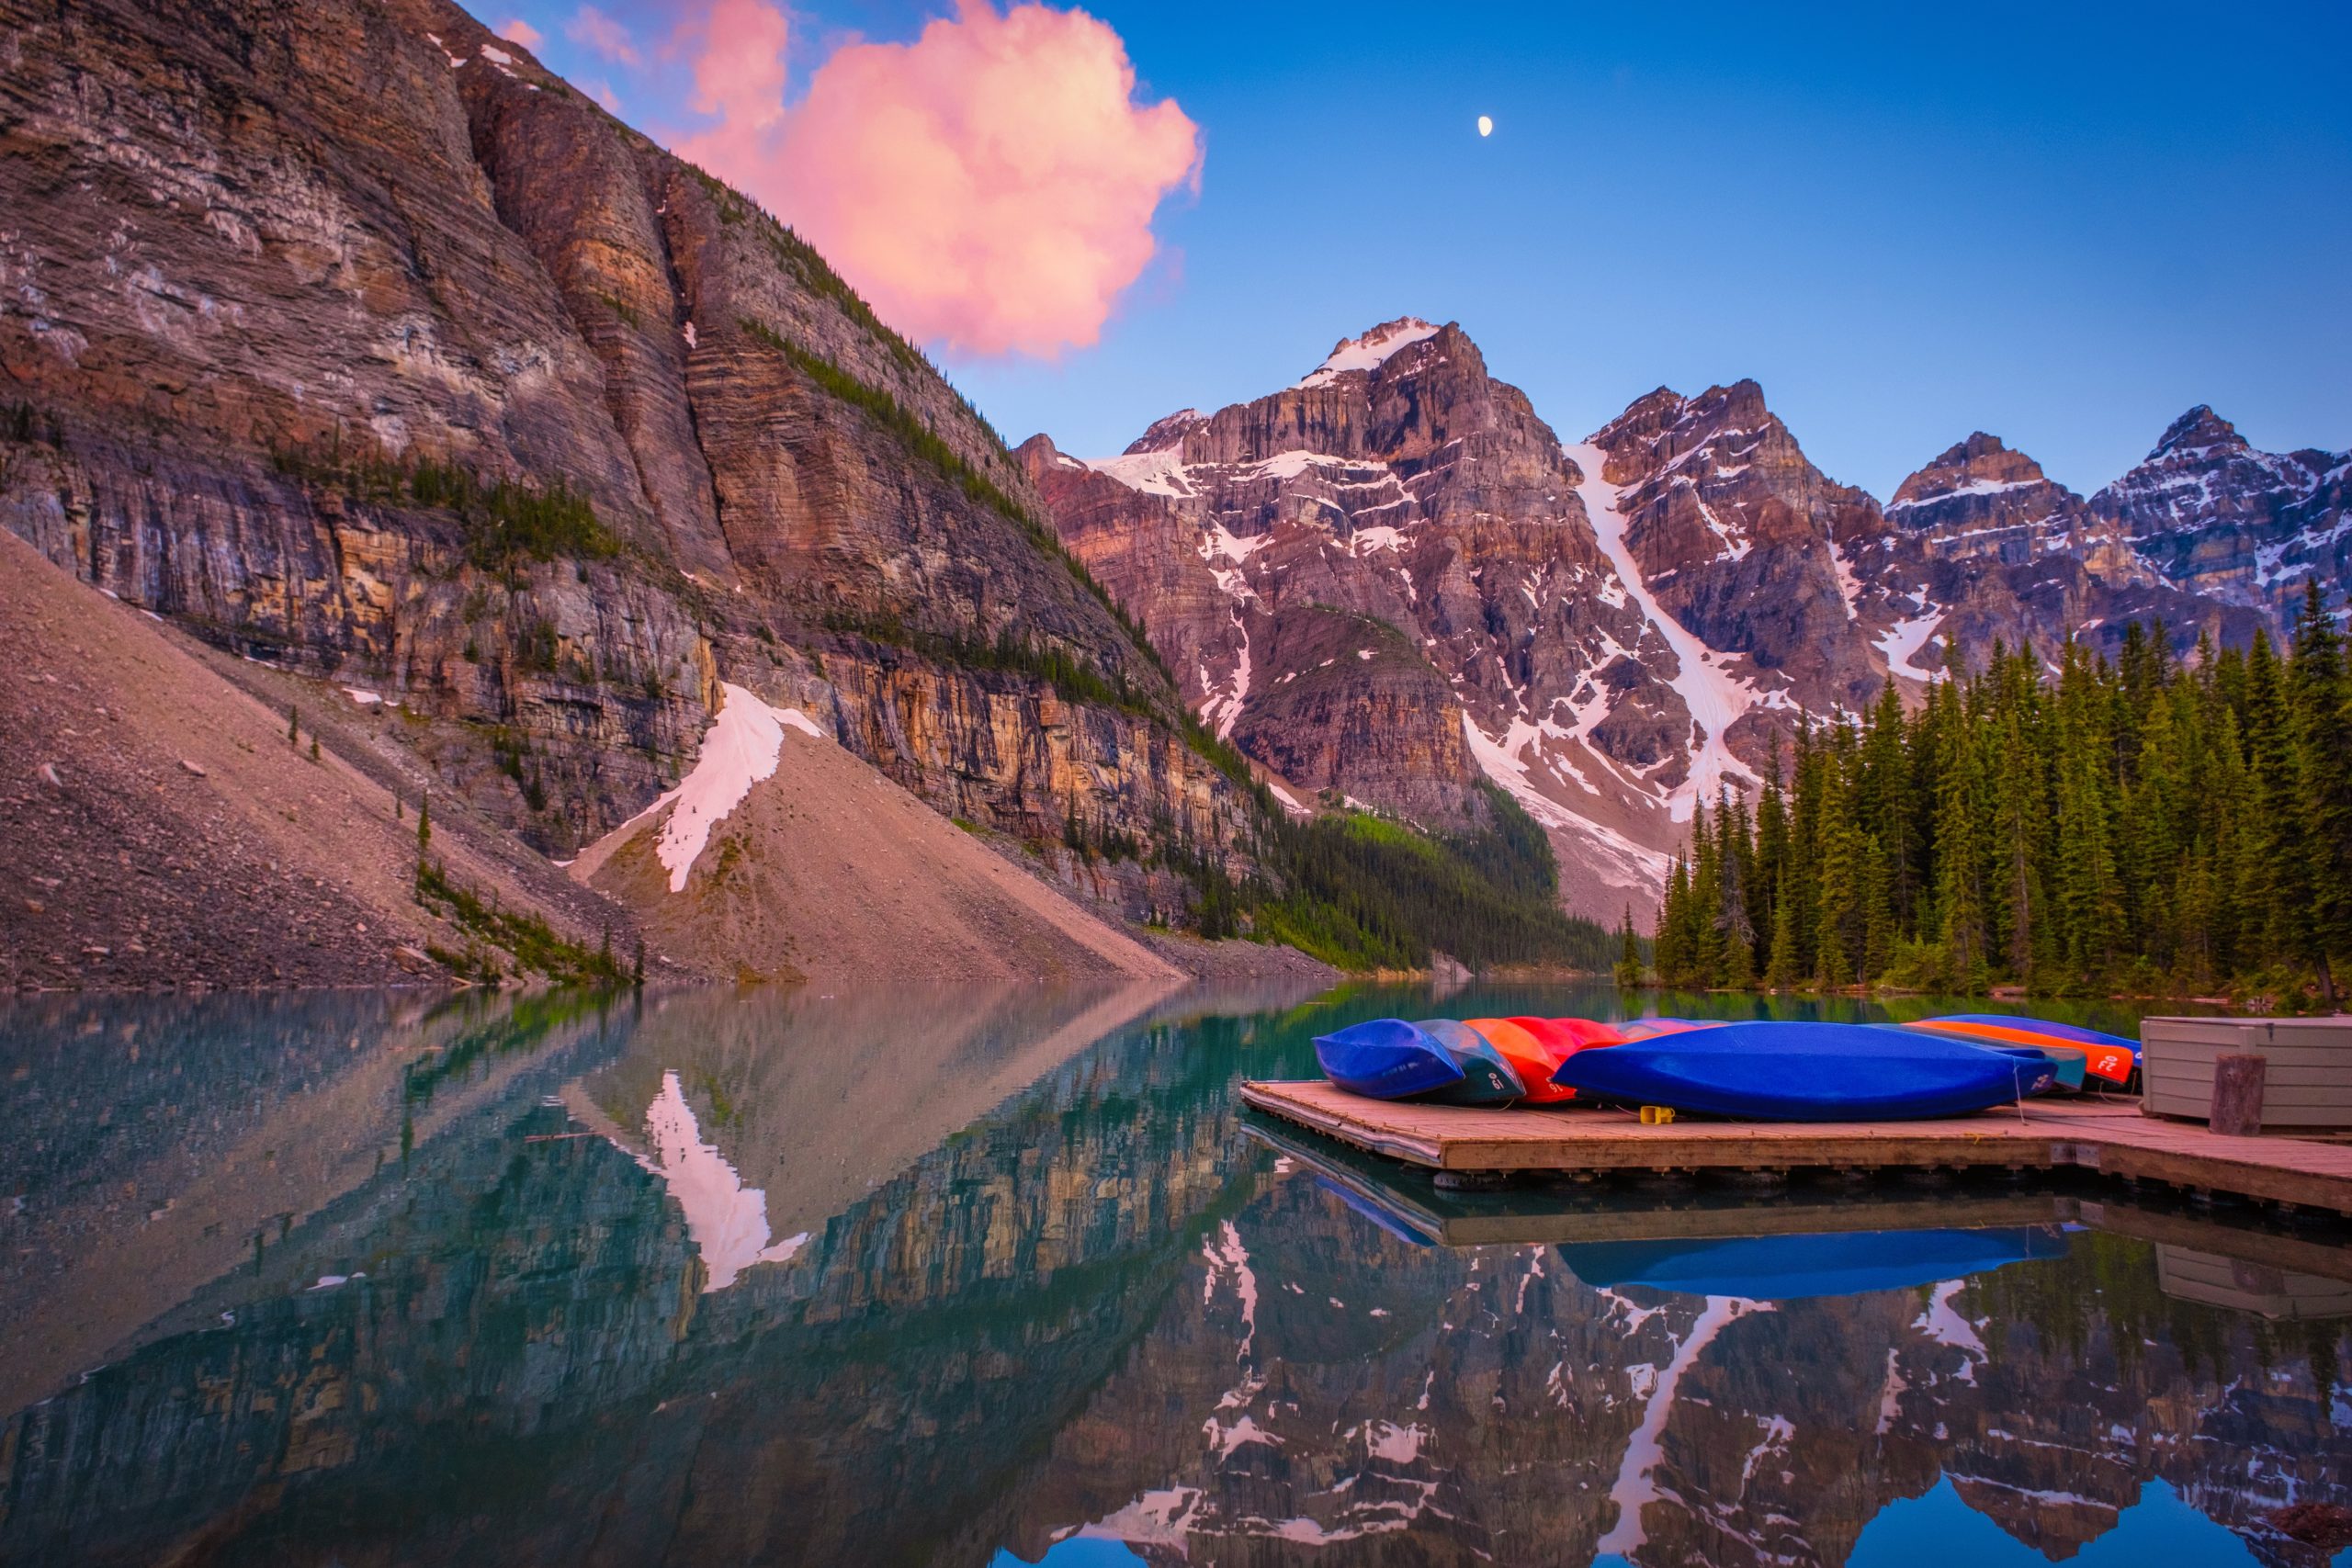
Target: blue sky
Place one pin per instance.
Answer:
(2064, 224)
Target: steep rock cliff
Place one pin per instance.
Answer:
(350, 337)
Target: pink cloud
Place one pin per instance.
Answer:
(590, 28)
(514, 30)
(989, 186)
(601, 91)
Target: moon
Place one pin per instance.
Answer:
(1485, 125)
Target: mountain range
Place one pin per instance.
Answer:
(1392, 579)
(410, 390)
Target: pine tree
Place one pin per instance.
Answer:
(1780, 969)
(2322, 702)
(1961, 929)
(2281, 887)
(1629, 955)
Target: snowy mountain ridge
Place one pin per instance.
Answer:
(1615, 629)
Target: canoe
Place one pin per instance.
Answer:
(2109, 1057)
(1488, 1077)
(1651, 1028)
(1534, 1052)
(2066, 1060)
(1581, 1031)
(1787, 1268)
(1807, 1072)
(1385, 1059)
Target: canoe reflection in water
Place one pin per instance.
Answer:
(1789, 1268)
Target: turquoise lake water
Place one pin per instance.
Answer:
(1008, 1276)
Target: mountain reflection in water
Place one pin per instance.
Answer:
(976, 1276)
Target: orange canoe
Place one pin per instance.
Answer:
(2112, 1063)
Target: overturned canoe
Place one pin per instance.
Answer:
(1651, 1028)
(1807, 1072)
(1535, 1052)
(1385, 1059)
(1488, 1076)
(2109, 1057)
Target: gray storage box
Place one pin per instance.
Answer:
(2307, 1080)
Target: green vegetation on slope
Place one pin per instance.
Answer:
(1363, 892)
(2140, 827)
(504, 521)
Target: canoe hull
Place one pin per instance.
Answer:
(1807, 1072)
(1385, 1059)
(2107, 1057)
(1488, 1076)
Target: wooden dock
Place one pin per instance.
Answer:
(2108, 1138)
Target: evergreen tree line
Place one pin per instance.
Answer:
(2145, 827)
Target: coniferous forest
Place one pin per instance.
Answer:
(2151, 826)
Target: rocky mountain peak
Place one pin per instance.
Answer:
(1371, 351)
(1981, 465)
(2197, 433)
(1165, 434)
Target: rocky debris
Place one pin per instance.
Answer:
(824, 870)
(184, 840)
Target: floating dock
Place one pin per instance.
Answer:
(2110, 1137)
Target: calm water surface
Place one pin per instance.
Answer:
(998, 1277)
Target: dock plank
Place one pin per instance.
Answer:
(2105, 1136)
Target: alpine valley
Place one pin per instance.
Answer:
(383, 392)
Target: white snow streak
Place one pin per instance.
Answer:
(1636, 1482)
(740, 750)
(1715, 699)
(728, 1221)
(1901, 642)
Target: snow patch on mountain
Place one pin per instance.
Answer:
(1370, 351)
(1901, 642)
(1154, 473)
(1638, 1484)
(738, 750)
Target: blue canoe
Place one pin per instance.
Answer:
(1807, 1072)
(1786, 1268)
(1488, 1077)
(1385, 1059)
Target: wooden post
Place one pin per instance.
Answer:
(2237, 1093)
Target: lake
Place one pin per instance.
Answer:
(1007, 1276)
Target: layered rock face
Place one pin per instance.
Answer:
(291, 289)
(2218, 518)
(1978, 498)
(2015, 556)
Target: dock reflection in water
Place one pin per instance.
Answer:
(975, 1276)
